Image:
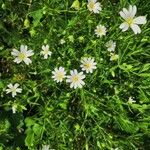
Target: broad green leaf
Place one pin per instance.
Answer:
(29, 122)
(37, 15)
(37, 129)
(29, 141)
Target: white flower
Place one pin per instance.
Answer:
(100, 30)
(13, 89)
(94, 6)
(22, 55)
(88, 64)
(111, 46)
(59, 74)
(113, 56)
(76, 79)
(130, 19)
(14, 108)
(62, 41)
(130, 101)
(45, 147)
(46, 51)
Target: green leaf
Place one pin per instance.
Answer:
(144, 74)
(143, 97)
(29, 141)
(29, 122)
(37, 15)
(145, 67)
(1, 85)
(37, 129)
(126, 125)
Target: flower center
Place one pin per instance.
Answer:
(87, 66)
(129, 21)
(46, 51)
(21, 56)
(60, 76)
(109, 46)
(75, 78)
(13, 90)
(91, 5)
(99, 30)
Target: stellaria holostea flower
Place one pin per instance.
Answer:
(76, 79)
(22, 55)
(130, 19)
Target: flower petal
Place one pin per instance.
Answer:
(45, 56)
(27, 61)
(15, 52)
(19, 90)
(125, 11)
(68, 80)
(43, 47)
(17, 60)
(8, 91)
(75, 71)
(10, 85)
(16, 85)
(136, 29)
(29, 53)
(123, 15)
(23, 48)
(124, 26)
(14, 94)
(140, 20)
(71, 85)
(132, 11)
(47, 46)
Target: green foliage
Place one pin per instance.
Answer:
(96, 117)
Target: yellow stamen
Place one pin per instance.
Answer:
(13, 89)
(87, 66)
(99, 30)
(75, 78)
(60, 76)
(46, 51)
(91, 5)
(21, 56)
(129, 21)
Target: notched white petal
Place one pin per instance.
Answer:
(140, 20)
(136, 29)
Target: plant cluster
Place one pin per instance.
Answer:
(86, 82)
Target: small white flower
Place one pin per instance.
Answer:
(100, 30)
(111, 46)
(13, 89)
(88, 64)
(130, 101)
(14, 108)
(94, 6)
(46, 51)
(113, 56)
(62, 41)
(45, 147)
(130, 19)
(76, 79)
(59, 74)
(22, 55)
